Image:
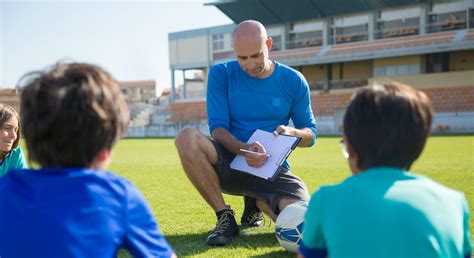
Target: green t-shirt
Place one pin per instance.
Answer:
(386, 212)
(15, 159)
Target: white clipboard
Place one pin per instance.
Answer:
(279, 147)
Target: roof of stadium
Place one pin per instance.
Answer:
(283, 11)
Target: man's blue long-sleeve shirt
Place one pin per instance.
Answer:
(242, 104)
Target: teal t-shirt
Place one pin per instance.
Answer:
(15, 159)
(386, 212)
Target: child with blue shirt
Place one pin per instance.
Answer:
(11, 155)
(73, 114)
(383, 210)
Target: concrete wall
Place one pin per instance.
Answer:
(327, 125)
(391, 14)
(183, 51)
(13, 101)
(205, 73)
(453, 122)
(433, 80)
(173, 51)
(336, 71)
(461, 60)
(227, 42)
(416, 59)
(166, 130)
(357, 70)
(444, 122)
(313, 73)
(352, 70)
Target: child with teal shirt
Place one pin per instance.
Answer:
(383, 210)
(11, 155)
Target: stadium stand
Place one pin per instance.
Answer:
(469, 36)
(392, 43)
(452, 99)
(294, 53)
(449, 99)
(340, 47)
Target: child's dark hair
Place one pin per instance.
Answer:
(71, 112)
(7, 113)
(387, 125)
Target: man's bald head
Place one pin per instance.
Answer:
(249, 29)
(251, 48)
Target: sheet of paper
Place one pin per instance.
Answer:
(278, 147)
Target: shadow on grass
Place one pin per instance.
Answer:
(193, 244)
(280, 253)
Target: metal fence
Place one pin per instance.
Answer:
(337, 84)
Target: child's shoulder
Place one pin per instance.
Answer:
(109, 177)
(82, 178)
(435, 186)
(16, 151)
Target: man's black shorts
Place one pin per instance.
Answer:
(235, 182)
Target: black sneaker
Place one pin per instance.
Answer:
(252, 216)
(226, 229)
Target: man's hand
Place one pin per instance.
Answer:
(283, 129)
(255, 160)
(305, 133)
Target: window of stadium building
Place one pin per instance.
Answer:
(447, 21)
(396, 70)
(217, 42)
(305, 39)
(276, 42)
(471, 18)
(351, 33)
(397, 28)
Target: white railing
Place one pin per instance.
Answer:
(338, 84)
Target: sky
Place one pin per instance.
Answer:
(127, 38)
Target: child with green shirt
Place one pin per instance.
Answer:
(11, 155)
(383, 210)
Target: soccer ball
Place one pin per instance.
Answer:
(289, 226)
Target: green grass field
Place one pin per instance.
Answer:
(186, 220)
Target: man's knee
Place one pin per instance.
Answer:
(282, 203)
(186, 138)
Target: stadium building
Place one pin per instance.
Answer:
(10, 97)
(340, 45)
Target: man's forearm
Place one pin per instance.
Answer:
(226, 139)
(306, 135)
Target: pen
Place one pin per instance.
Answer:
(254, 152)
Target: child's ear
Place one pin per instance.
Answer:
(102, 159)
(353, 158)
(350, 150)
(103, 155)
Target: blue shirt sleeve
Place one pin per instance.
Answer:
(313, 253)
(217, 98)
(301, 111)
(314, 244)
(143, 236)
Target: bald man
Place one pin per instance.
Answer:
(250, 93)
